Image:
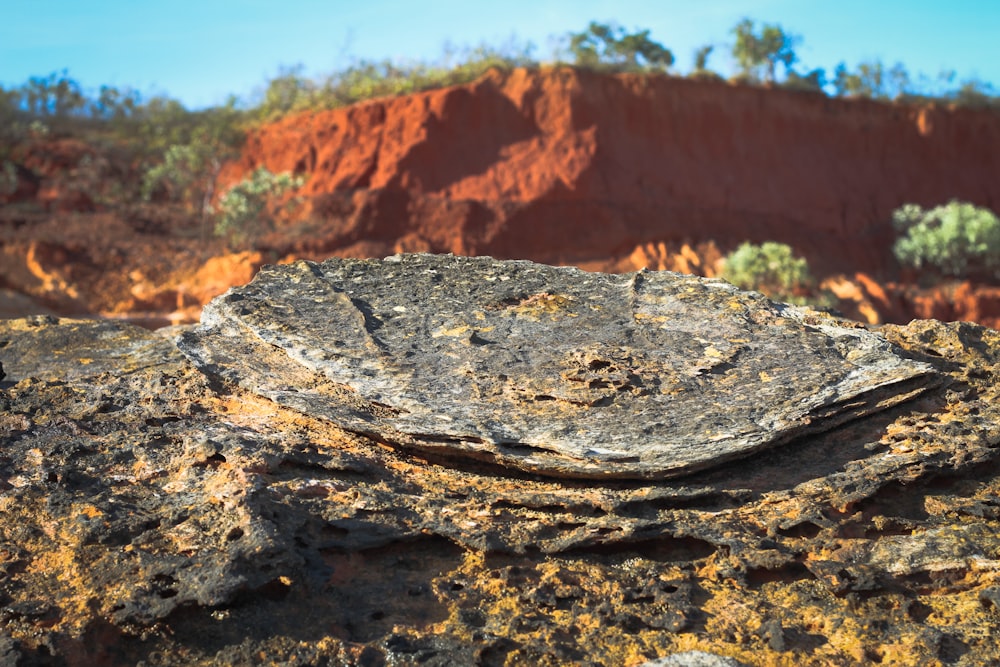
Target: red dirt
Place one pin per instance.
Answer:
(560, 166)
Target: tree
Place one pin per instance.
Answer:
(701, 57)
(289, 91)
(758, 53)
(872, 80)
(976, 94)
(115, 104)
(56, 95)
(608, 46)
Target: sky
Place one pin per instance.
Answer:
(202, 51)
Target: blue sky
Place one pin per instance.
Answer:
(200, 51)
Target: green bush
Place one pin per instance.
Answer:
(8, 178)
(957, 239)
(771, 268)
(292, 91)
(246, 208)
(608, 47)
(183, 175)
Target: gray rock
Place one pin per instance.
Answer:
(48, 348)
(694, 659)
(545, 369)
(9, 655)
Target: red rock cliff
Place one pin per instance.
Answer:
(566, 166)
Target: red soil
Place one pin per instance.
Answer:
(606, 172)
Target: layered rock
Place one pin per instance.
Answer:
(173, 511)
(547, 370)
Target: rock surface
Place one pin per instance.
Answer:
(156, 513)
(550, 370)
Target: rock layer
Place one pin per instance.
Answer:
(570, 167)
(152, 513)
(550, 370)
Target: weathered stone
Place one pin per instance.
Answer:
(693, 659)
(545, 369)
(152, 513)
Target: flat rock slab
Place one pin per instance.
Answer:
(548, 370)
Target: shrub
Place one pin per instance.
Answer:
(8, 178)
(292, 91)
(605, 46)
(957, 239)
(185, 174)
(771, 268)
(200, 143)
(246, 208)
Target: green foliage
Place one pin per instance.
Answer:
(162, 122)
(115, 104)
(771, 268)
(957, 239)
(202, 142)
(186, 175)
(701, 70)
(758, 53)
(813, 81)
(872, 80)
(605, 46)
(54, 96)
(8, 178)
(976, 94)
(247, 208)
(292, 91)
(701, 55)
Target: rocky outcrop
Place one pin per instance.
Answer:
(547, 370)
(157, 508)
(571, 167)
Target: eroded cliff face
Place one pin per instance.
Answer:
(227, 495)
(608, 173)
(564, 166)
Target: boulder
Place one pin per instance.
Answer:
(266, 488)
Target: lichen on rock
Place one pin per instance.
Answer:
(157, 510)
(545, 369)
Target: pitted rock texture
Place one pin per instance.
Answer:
(545, 369)
(153, 514)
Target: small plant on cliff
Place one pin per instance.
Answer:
(957, 239)
(247, 208)
(773, 269)
(605, 46)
